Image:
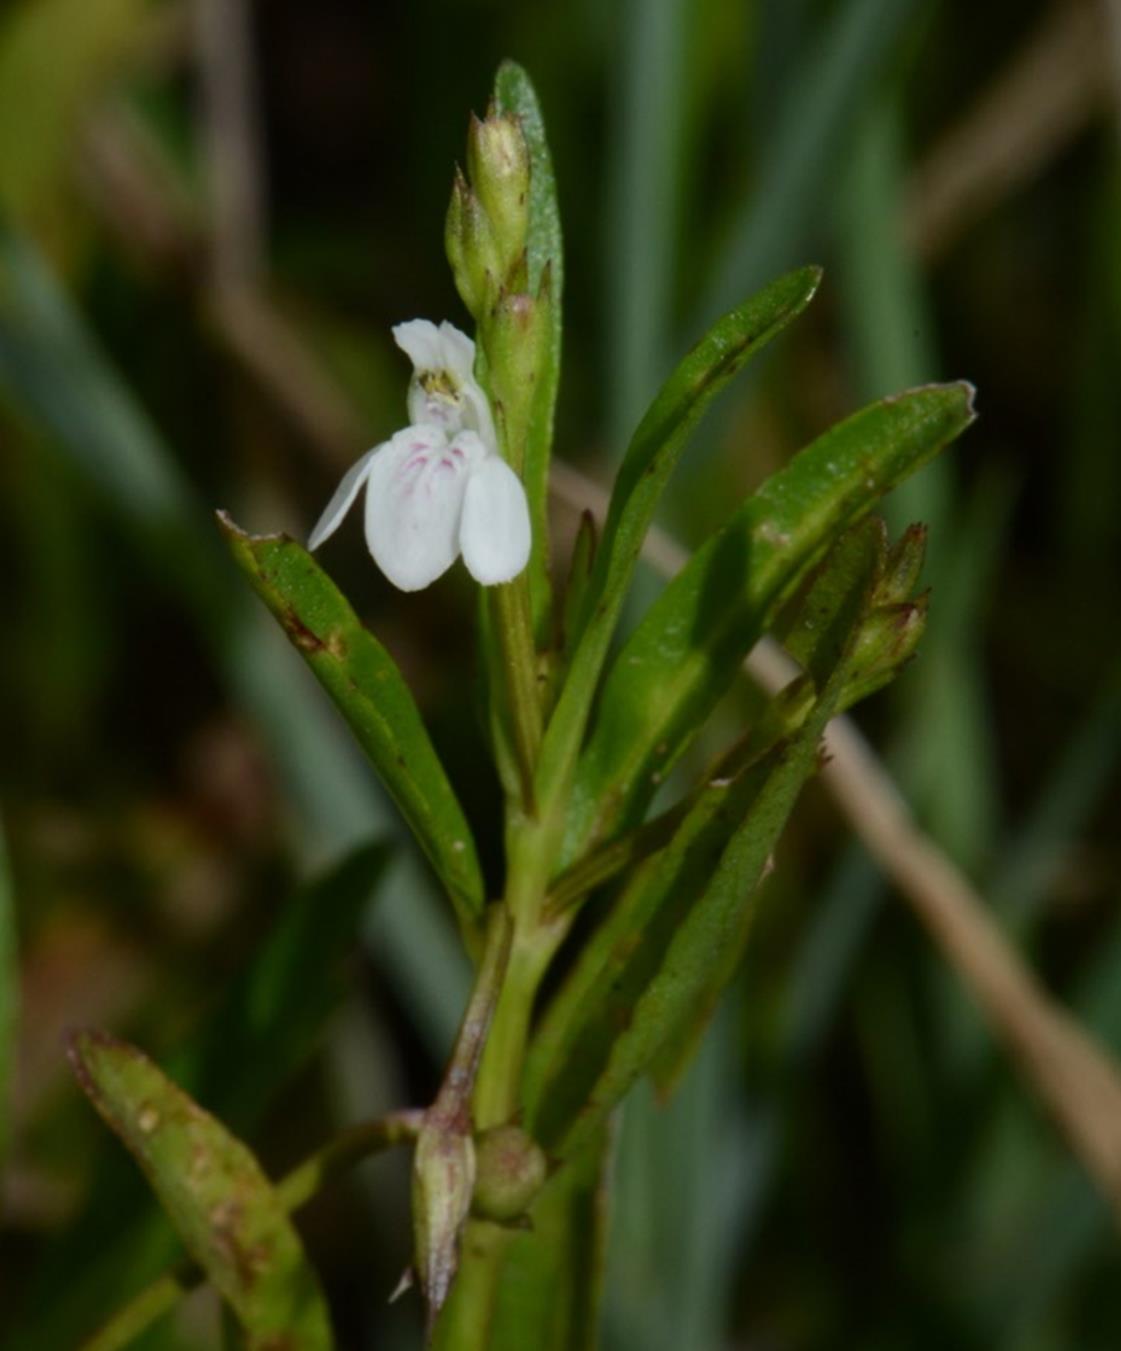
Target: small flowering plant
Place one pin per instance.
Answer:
(509, 1159)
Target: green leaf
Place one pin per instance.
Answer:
(9, 994)
(657, 960)
(224, 1208)
(370, 692)
(579, 578)
(514, 93)
(622, 956)
(687, 649)
(654, 451)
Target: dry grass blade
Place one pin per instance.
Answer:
(1053, 87)
(229, 118)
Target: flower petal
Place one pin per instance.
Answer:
(414, 502)
(419, 339)
(343, 497)
(495, 532)
(443, 391)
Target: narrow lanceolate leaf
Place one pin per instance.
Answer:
(225, 1210)
(654, 963)
(653, 453)
(370, 692)
(514, 93)
(682, 657)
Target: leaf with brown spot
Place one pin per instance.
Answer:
(214, 1192)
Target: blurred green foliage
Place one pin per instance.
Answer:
(850, 1161)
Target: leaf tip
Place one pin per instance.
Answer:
(509, 69)
(228, 525)
(81, 1045)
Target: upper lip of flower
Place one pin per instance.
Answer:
(438, 487)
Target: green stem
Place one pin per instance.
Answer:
(306, 1180)
(498, 1089)
(340, 1154)
(452, 1107)
(514, 628)
(466, 1320)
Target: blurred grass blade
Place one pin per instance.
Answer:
(1042, 843)
(646, 200)
(697, 901)
(687, 649)
(514, 93)
(370, 692)
(55, 55)
(9, 995)
(676, 1258)
(803, 146)
(654, 451)
(50, 364)
(276, 1014)
(224, 1208)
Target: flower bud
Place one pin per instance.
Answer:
(903, 566)
(887, 640)
(891, 630)
(498, 164)
(443, 1181)
(510, 1170)
(471, 248)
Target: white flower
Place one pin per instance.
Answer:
(439, 488)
